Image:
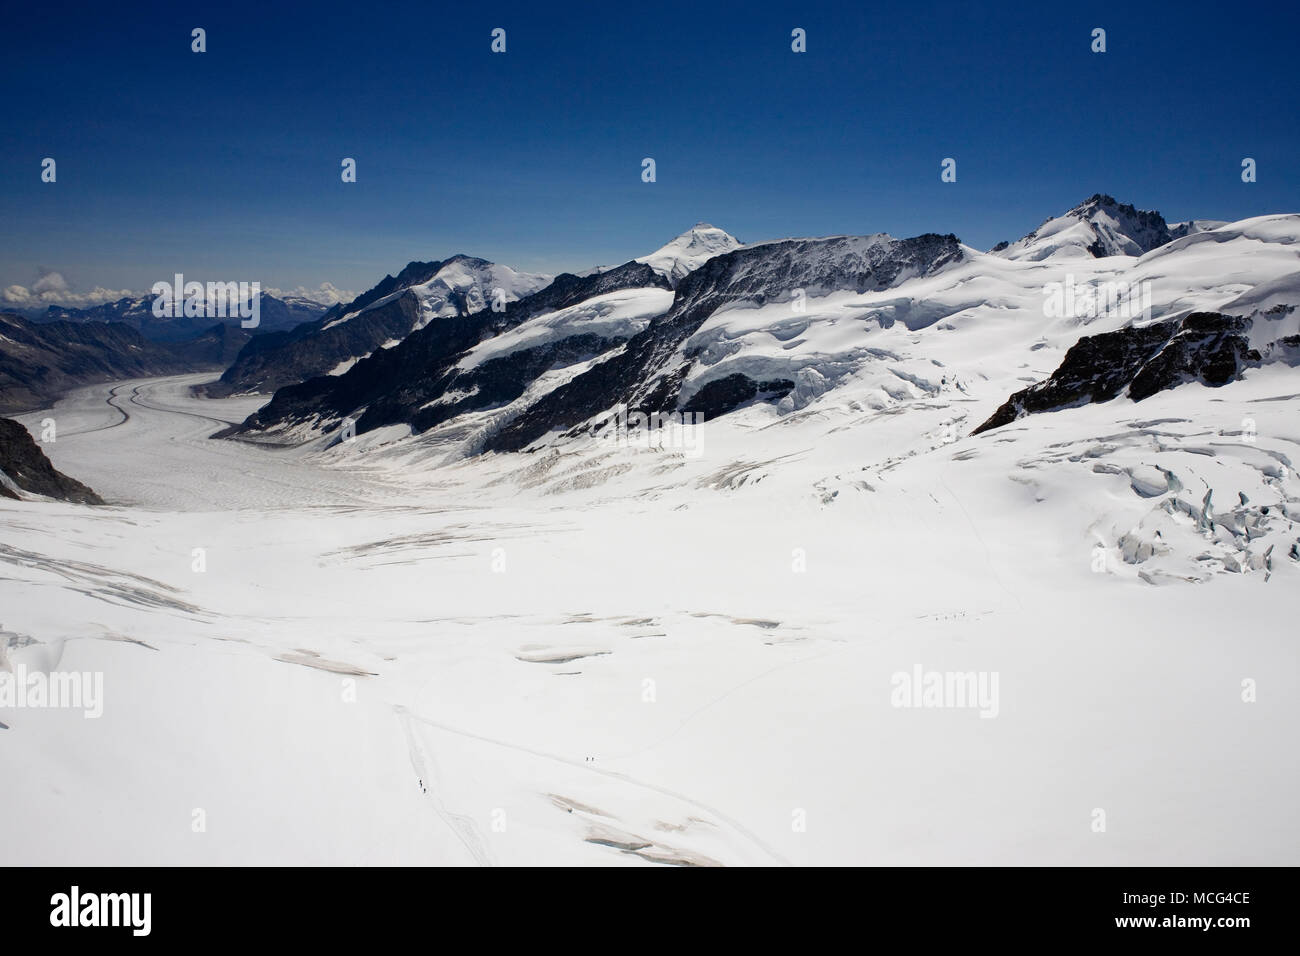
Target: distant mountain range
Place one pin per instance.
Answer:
(41, 361)
(707, 325)
(43, 356)
(274, 314)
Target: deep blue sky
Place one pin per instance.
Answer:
(225, 165)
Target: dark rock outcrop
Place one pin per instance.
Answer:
(23, 463)
(1206, 347)
(726, 394)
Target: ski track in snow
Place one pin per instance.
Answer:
(426, 768)
(465, 828)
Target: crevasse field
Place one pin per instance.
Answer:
(385, 652)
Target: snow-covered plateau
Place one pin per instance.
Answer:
(838, 628)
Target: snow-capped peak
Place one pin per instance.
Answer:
(466, 284)
(1098, 227)
(690, 250)
(461, 284)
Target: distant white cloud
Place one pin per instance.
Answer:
(51, 283)
(51, 288)
(325, 294)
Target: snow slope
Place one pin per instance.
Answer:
(619, 314)
(625, 656)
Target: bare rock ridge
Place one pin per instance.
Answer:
(24, 469)
(1206, 347)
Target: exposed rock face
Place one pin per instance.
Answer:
(276, 359)
(1139, 230)
(1206, 347)
(649, 371)
(272, 361)
(24, 466)
(726, 394)
(421, 294)
(416, 382)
